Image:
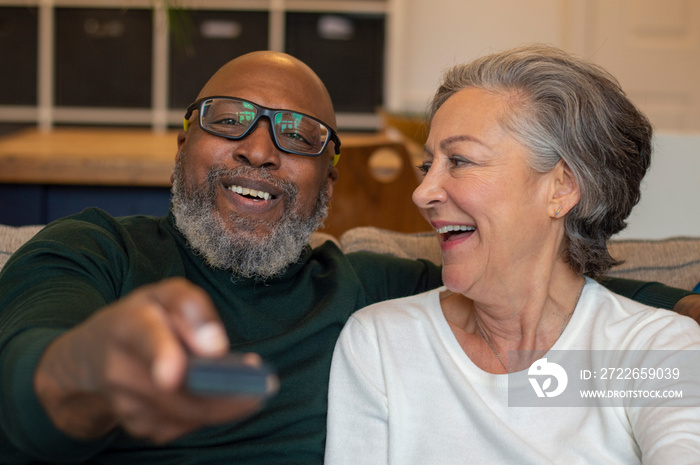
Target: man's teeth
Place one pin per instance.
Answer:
(455, 227)
(250, 192)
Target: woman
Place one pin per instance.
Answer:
(534, 159)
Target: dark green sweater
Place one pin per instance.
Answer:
(77, 265)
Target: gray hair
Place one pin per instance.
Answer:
(564, 108)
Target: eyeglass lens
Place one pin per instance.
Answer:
(293, 131)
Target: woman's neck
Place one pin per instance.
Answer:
(526, 316)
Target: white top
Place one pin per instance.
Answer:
(403, 391)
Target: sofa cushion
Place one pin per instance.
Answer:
(674, 261)
(11, 238)
(319, 238)
(403, 245)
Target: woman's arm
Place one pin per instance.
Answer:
(665, 416)
(357, 404)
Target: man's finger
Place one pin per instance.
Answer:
(193, 316)
(147, 333)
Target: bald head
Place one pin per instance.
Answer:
(254, 237)
(274, 80)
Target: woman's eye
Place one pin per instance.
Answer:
(459, 161)
(423, 168)
(454, 162)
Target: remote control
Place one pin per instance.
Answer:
(228, 375)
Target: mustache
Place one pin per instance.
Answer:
(217, 174)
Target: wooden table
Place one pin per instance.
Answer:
(48, 175)
(101, 156)
(79, 156)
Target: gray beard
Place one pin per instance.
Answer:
(239, 249)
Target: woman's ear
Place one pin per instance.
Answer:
(565, 190)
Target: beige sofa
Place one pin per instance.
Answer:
(674, 261)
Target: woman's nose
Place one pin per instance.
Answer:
(430, 191)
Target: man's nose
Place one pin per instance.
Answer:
(257, 148)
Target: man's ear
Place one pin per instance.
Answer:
(332, 178)
(565, 190)
(181, 138)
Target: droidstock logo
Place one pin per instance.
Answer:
(546, 371)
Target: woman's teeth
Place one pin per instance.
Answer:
(250, 192)
(455, 227)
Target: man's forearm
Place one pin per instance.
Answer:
(689, 306)
(24, 420)
(74, 411)
(656, 294)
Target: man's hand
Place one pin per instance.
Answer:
(125, 367)
(689, 306)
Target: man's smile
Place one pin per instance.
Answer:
(255, 195)
(251, 193)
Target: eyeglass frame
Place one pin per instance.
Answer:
(269, 113)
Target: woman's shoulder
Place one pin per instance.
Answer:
(415, 307)
(638, 325)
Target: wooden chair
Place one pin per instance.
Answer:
(376, 180)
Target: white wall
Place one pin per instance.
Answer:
(670, 203)
(652, 46)
(435, 34)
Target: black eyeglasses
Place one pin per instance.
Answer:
(292, 132)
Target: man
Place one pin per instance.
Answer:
(98, 316)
